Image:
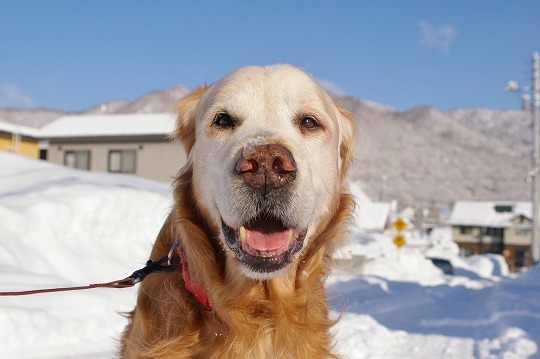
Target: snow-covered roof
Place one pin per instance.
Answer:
(109, 125)
(488, 213)
(369, 215)
(18, 129)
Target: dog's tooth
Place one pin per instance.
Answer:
(290, 235)
(243, 234)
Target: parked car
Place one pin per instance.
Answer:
(443, 264)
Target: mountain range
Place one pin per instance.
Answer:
(422, 157)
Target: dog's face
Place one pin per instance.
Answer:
(268, 149)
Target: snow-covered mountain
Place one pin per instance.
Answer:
(38, 117)
(422, 157)
(427, 158)
(153, 102)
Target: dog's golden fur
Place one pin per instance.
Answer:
(282, 317)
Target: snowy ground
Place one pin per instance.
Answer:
(60, 227)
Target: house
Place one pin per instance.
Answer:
(134, 144)
(19, 139)
(494, 227)
(369, 216)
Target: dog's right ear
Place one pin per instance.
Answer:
(348, 133)
(185, 119)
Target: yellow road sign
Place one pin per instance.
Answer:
(399, 240)
(400, 224)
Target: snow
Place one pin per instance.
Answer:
(62, 227)
(369, 215)
(483, 213)
(108, 125)
(11, 128)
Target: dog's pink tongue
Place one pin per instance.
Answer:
(267, 235)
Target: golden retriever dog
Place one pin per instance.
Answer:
(259, 208)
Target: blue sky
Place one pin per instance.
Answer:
(71, 55)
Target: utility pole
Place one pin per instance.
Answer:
(535, 171)
(535, 247)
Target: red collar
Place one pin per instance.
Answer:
(193, 287)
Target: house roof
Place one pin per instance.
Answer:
(10, 128)
(109, 125)
(369, 215)
(488, 213)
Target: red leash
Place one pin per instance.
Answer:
(173, 262)
(134, 278)
(124, 283)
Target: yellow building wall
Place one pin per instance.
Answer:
(26, 147)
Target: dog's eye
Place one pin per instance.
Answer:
(309, 122)
(223, 120)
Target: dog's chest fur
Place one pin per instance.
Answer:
(264, 324)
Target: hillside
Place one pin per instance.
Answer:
(153, 102)
(33, 118)
(422, 157)
(432, 158)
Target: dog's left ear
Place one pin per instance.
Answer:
(347, 137)
(186, 110)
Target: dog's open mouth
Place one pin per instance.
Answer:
(264, 245)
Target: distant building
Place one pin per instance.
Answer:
(136, 144)
(370, 216)
(19, 139)
(494, 227)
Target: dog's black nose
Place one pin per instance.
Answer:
(269, 166)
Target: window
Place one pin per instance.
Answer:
(494, 232)
(521, 257)
(122, 161)
(522, 231)
(465, 230)
(77, 159)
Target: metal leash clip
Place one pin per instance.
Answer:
(170, 260)
(156, 266)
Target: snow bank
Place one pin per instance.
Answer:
(61, 227)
